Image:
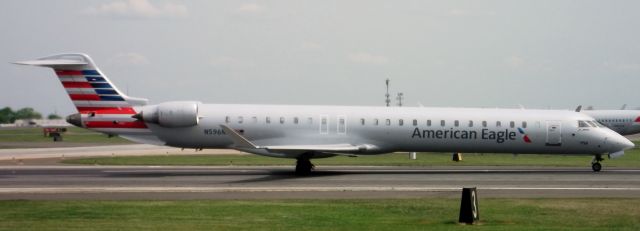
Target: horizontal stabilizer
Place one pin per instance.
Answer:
(52, 62)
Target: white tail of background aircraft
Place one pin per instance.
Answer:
(306, 132)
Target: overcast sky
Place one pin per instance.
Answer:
(538, 54)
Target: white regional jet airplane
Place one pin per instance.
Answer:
(624, 122)
(306, 132)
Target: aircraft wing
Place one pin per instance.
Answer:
(243, 143)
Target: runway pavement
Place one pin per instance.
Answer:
(125, 183)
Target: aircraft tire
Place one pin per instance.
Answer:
(596, 167)
(303, 167)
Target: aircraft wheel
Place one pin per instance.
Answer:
(596, 167)
(303, 167)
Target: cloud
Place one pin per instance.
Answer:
(465, 12)
(624, 67)
(138, 9)
(458, 12)
(129, 59)
(514, 61)
(250, 8)
(366, 58)
(224, 61)
(310, 46)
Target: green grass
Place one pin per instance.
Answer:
(73, 134)
(630, 159)
(378, 214)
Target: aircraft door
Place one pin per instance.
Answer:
(324, 124)
(554, 133)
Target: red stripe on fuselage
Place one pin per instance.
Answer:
(117, 124)
(107, 110)
(68, 72)
(84, 97)
(76, 85)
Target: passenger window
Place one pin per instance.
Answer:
(498, 124)
(362, 121)
(375, 122)
(512, 124)
(227, 119)
(429, 123)
(456, 123)
(484, 124)
(400, 122)
(295, 120)
(282, 120)
(268, 119)
(415, 122)
(442, 123)
(324, 121)
(388, 122)
(524, 124)
(470, 123)
(239, 119)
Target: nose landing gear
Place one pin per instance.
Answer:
(595, 163)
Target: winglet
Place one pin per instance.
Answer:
(239, 141)
(579, 108)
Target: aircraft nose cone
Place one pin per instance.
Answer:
(622, 143)
(628, 144)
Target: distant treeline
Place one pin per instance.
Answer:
(8, 115)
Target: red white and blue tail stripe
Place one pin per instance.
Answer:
(101, 105)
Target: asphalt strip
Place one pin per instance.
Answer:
(282, 189)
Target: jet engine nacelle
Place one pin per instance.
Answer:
(171, 114)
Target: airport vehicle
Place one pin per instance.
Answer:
(624, 122)
(306, 132)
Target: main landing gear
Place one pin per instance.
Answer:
(304, 165)
(595, 163)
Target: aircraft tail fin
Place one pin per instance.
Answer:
(89, 89)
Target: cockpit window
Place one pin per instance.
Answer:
(600, 125)
(583, 124)
(592, 124)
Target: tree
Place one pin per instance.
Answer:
(27, 113)
(7, 116)
(54, 117)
